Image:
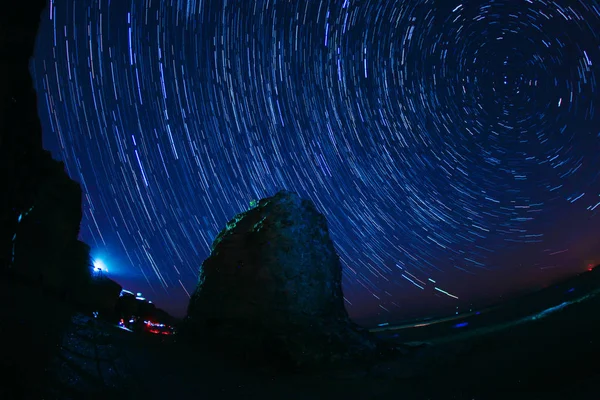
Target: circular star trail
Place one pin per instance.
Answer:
(453, 147)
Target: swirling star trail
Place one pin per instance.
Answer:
(453, 147)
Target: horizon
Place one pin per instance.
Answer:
(419, 313)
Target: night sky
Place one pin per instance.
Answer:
(453, 147)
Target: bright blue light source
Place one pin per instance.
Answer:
(99, 266)
(461, 325)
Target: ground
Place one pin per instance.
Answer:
(53, 352)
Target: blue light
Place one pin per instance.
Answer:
(100, 266)
(552, 310)
(461, 325)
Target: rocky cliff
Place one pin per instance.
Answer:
(273, 286)
(40, 206)
(20, 130)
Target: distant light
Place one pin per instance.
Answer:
(461, 325)
(139, 295)
(554, 309)
(125, 328)
(421, 325)
(100, 266)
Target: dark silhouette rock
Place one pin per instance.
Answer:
(103, 296)
(45, 242)
(77, 264)
(31, 183)
(272, 287)
(20, 128)
(128, 305)
(40, 206)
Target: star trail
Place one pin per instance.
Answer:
(454, 147)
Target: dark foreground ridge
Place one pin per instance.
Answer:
(53, 351)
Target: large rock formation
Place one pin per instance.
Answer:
(44, 242)
(20, 129)
(29, 179)
(273, 284)
(102, 296)
(40, 206)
